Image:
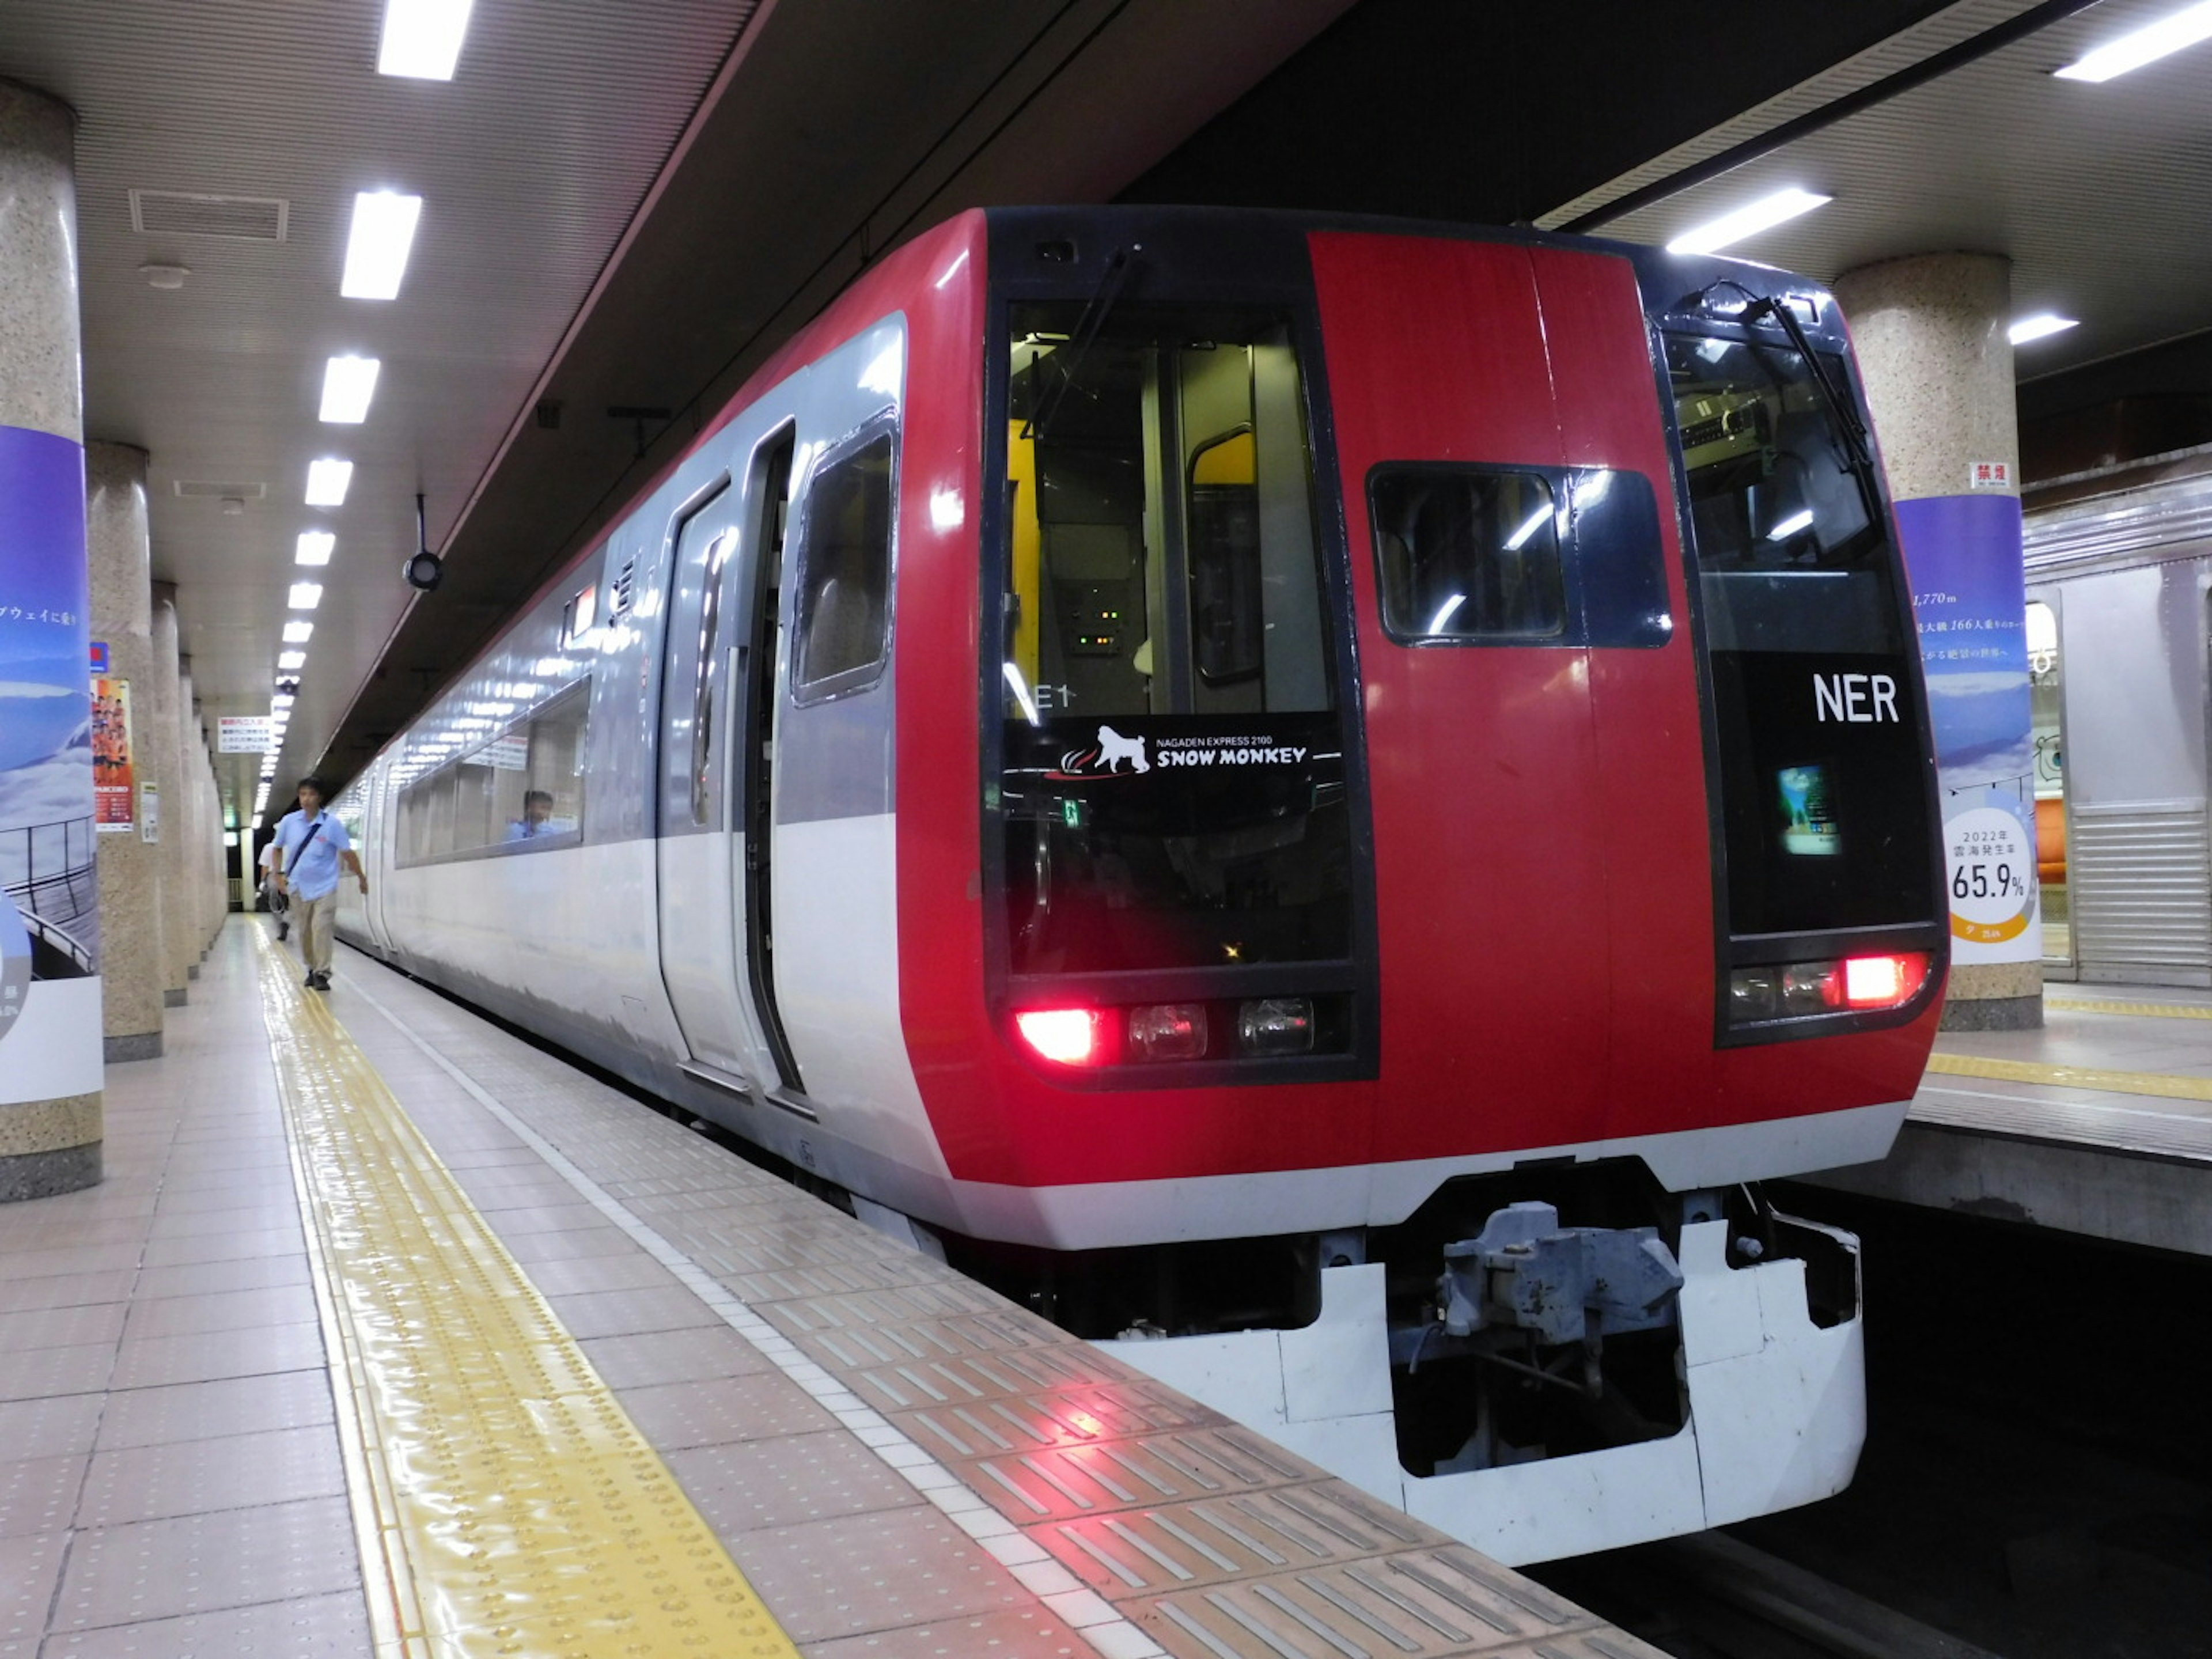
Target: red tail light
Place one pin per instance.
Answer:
(1883, 981)
(1069, 1036)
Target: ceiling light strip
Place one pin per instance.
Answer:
(2175, 32)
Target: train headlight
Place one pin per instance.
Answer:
(1167, 1031)
(1801, 990)
(1812, 987)
(1751, 995)
(1069, 1036)
(1883, 981)
(1276, 1025)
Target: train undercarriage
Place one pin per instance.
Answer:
(1526, 1360)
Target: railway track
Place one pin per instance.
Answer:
(1712, 1597)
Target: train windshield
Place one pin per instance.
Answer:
(1173, 786)
(1814, 690)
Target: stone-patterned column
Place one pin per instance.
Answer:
(195, 823)
(164, 730)
(131, 955)
(1930, 332)
(50, 1021)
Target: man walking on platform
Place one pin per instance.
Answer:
(312, 846)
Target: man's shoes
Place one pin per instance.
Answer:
(319, 981)
(283, 930)
(310, 981)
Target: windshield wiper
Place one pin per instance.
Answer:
(1846, 415)
(1119, 264)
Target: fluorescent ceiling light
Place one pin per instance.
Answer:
(2040, 326)
(376, 250)
(280, 701)
(422, 38)
(1747, 222)
(2147, 44)
(291, 661)
(348, 385)
(298, 633)
(1791, 525)
(328, 481)
(305, 596)
(1445, 612)
(315, 547)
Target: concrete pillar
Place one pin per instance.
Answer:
(194, 740)
(121, 558)
(50, 1019)
(165, 730)
(1931, 331)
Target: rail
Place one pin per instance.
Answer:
(48, 870)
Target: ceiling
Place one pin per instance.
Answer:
(2101, 194)
(632, 205)
(527, 180)
(624, 206)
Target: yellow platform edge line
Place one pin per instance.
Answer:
(2149, 1010)
(2165, 1085)
(504, 1504)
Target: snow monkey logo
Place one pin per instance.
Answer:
(1105, 757)
(1114, 749)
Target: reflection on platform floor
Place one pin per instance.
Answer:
(898, 1463)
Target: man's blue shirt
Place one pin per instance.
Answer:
(313, 873)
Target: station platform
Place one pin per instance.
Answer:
(2100, 1124)
(390, 1334)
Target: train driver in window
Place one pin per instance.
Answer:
(536, 817)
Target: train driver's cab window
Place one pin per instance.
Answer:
(1468, 555)
(1172, 792)
(1162, 556)
(845, 569)
(1791, 553)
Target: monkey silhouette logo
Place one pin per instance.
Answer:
(1114, 749)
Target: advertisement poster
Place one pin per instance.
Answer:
(50, 919)
(114, 779)
(1969, 601)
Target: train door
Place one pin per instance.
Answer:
(708, 697)
(375, 852)
(827, 943)
(1489, 807)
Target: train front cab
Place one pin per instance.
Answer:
(1363, 747)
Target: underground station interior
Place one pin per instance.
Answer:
(1129, 828)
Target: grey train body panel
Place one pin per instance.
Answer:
(2129, 577)
(566, 929)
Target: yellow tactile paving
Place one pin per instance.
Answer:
(2152, 1010)
(506, 1507)
(2166, 1085)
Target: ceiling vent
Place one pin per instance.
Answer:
(182, 213)
(215, 489)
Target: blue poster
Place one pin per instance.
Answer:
(46, 836)
(1969, 601)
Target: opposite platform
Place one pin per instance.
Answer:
(2100, 1124)
(597, 1383)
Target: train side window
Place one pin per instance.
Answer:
(1468, 555)
(553, 795)
(844, 560)
(522, 790)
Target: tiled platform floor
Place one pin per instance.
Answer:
(901, 1463)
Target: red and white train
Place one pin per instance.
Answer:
(1315, 799)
